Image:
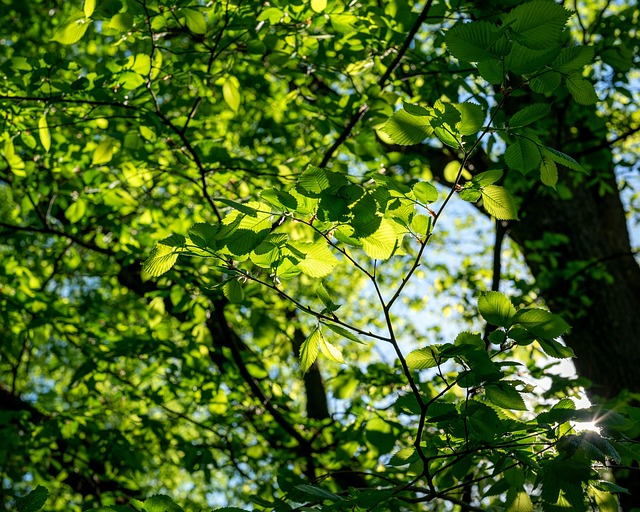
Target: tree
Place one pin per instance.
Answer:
(286, 172)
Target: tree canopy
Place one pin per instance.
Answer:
(294, 255)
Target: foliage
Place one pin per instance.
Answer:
(201, 199)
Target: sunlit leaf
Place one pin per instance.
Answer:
(45, 134)
(423, 358)
(499, 202)
(309, 350)
(496, 308)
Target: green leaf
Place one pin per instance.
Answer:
(343, 332)
(231, 92)
(233, 291)
(538, 24)
(318, 492)
(309, 350)
(204, 235)
(499, 203)
(421, 224)
(523, 155)
(503, 395)
(529, 115)
(425, 192)
(423, 358)
(523, 60)
(548, 172)
(45, 134)
(88, 7)
(161, 503)
(470, 194)
(103, 153)
(469, 338)
(71, 32)
(496, 308)
(409, 125)
(472, 118)
(486, 178)
(555, 349)
(473, 42)
(330, 351)
(318, 260)
(492, 70)
(318, 5)
(162, 258)
(241, 207)
(562, 159)
(573, 58)
(196, 22)
(33, 501)
(518, 500)
(541, 323)
(76, 210)
(545, 82)
(582, 90)
(404, 457)
(381, 244)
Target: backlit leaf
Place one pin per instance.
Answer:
(318, 260)
(71, 32)
(496, 308)
(162, 258)
(309, 350)
(423, 358)
(231, 92)
(499, 202)
(318, 5)
(381, 244)
(505, 396)
(330, 351)
(45, 134)
(522, 155)
(407, 128)
(196, 22)
(103, 153)
(89, 7)
(425, 192)
(560, 158)
(548, 172)
(472, 42)
(471, 118)
(541, 323)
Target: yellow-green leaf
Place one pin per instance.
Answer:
(71, 32)
(499, 202)
(89, 7)
(318, 259)
(318, 5)
(381, 244)
(548, 171)
(330, 351)
(232, 290)
(231, 92)
(103, 153)
(423, 358)
(309, 350)
(161, 260)
(45, 134)
(76, 210)
(195, 21)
